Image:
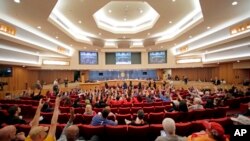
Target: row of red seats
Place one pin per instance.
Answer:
(151, 117)
(128, 132)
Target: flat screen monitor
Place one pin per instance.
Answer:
(157, 57)
(123, 58)
(89, 58)
(5, 71)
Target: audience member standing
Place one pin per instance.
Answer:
(55, 87)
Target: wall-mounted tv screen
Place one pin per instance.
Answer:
(157, 57)
(89, 58)
(5, 71)
(123, 58)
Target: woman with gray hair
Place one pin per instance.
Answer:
(168, 134)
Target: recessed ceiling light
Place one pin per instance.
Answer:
(100, 33)
(79, 21)
(170, 22)
(17, 1)
(208, 27)
(190, 36)
(110, 11)
(57, 37)
(173, 0)
(124, 19)
(234, 3)
(148, 33)
(39, 27)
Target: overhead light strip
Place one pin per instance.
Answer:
(209, 32)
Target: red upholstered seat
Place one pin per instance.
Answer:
(157, 103)
(114, 133)
(87, 119)
(159, 109)
(183, 129)
(148, 109)
(154, 118)
(63, 118)
(138, 133)
(124, 110)
(155, 129)
(88, 131)
(79, 110)
(135, 109)
(78, 119)
(121, 118)
(64, 109)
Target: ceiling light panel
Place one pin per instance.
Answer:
(130, 23)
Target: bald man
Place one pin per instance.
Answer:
(8, 133)
(71, 132)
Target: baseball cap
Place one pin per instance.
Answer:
(241, 119)
(36, 130)
(215, 128)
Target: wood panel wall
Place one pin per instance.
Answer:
(49, 76)
(21, 79)
(193, 73)
(223, 71)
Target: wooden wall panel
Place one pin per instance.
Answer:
(21, 79)
(203, 74)
(49, 76)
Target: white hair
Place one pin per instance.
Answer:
(169, 125)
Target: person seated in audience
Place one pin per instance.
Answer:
(197, 104)
(139, 121)
(168, 134)
(39, 133)
(241, 120)
(8, 133)
(67, 102)
(214, 132)
(76, 103)
(127, 100)
(101, 119)
(183, 106)
(209, 104)
(89, 111)
(14, 116)
(46, 108)
(71, 132)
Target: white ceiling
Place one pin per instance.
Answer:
(212, 20)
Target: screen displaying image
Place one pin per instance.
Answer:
(88, 57)
(157, 57)
(123, 58)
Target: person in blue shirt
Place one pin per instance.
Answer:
(101, 119)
